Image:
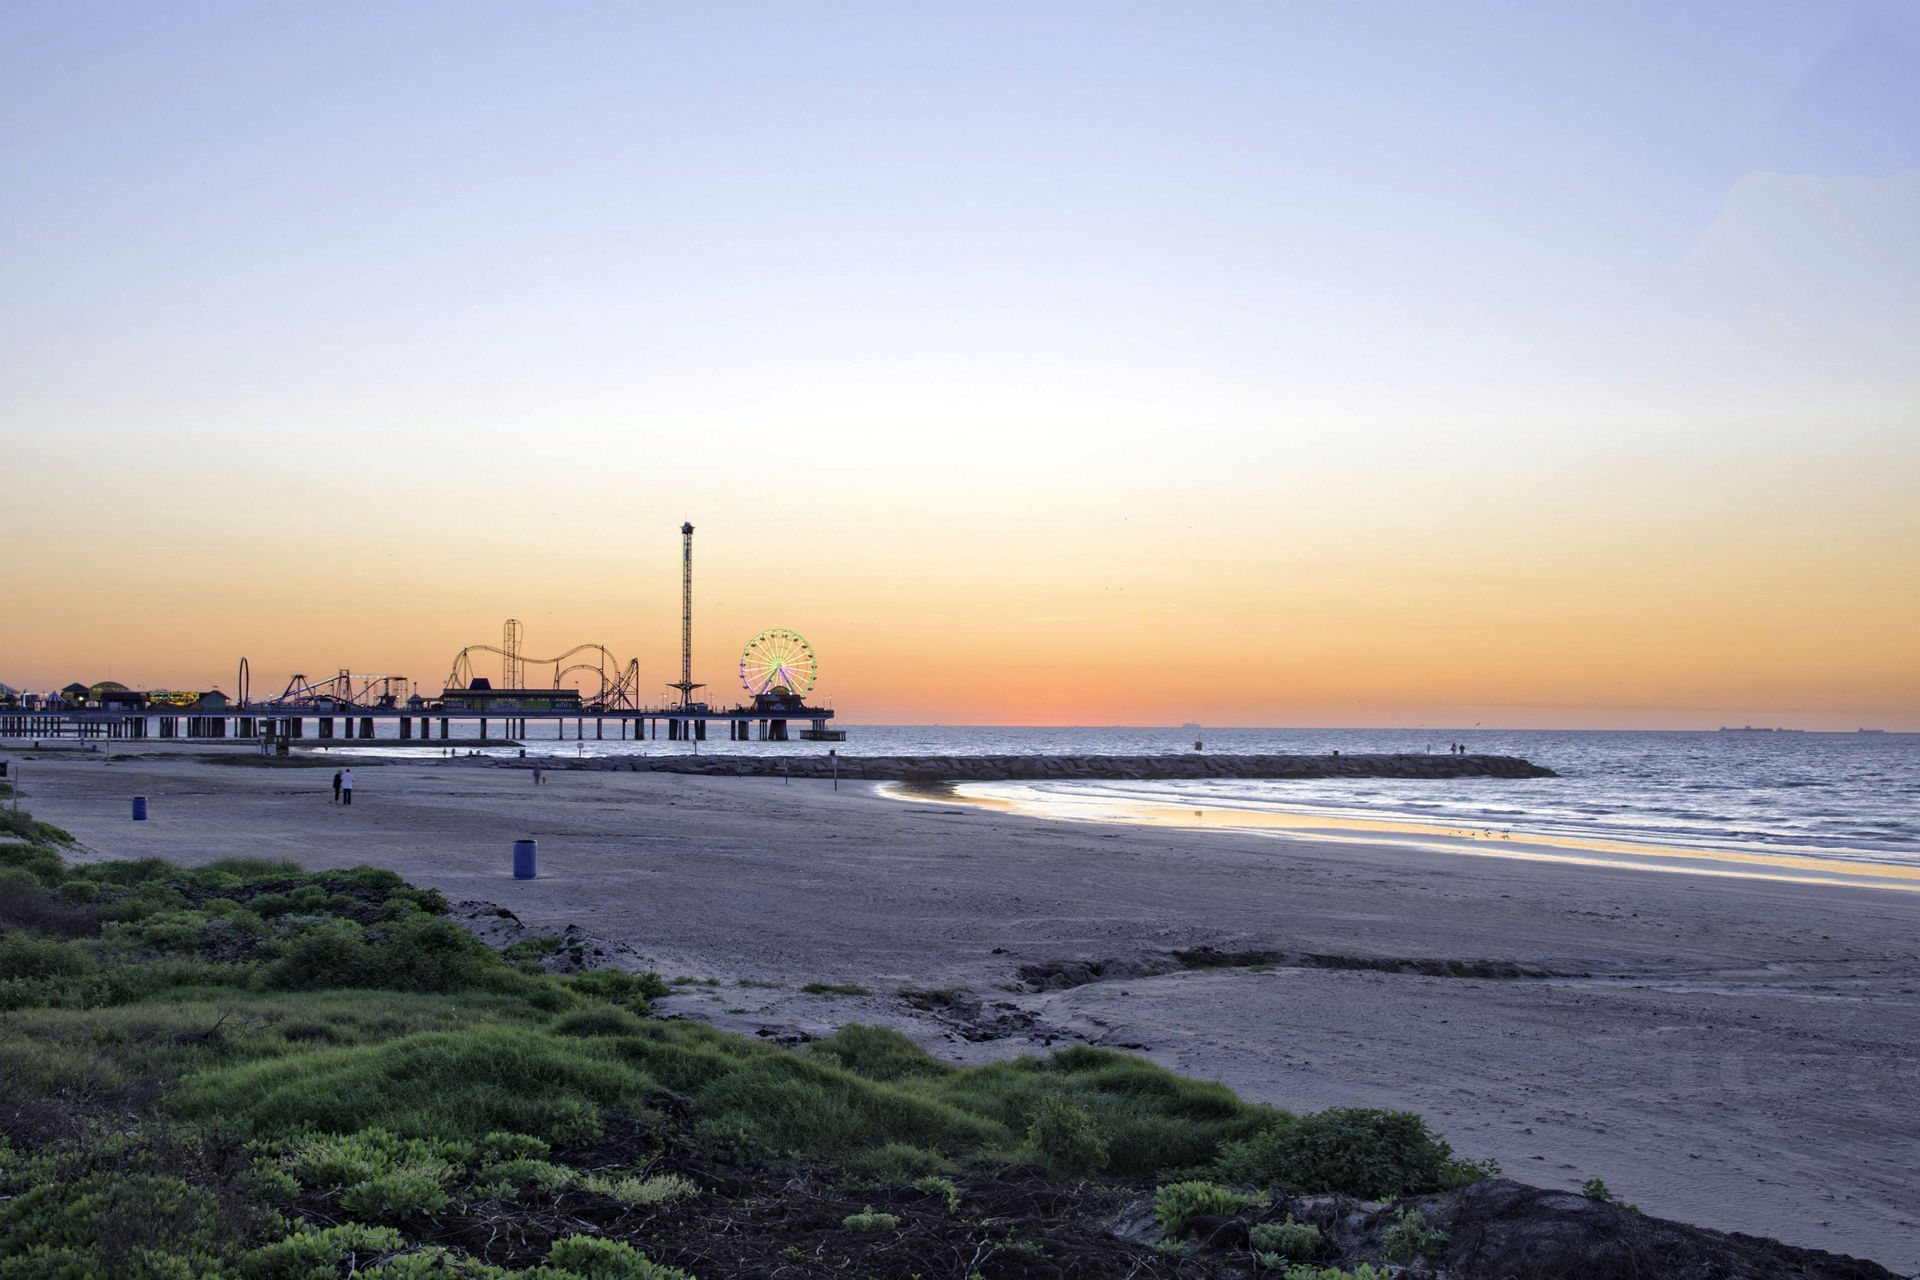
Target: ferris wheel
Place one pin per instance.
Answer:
(778, 661)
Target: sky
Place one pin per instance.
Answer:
(1316, 363)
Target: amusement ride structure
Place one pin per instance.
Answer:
(618, 685)
(780, 663)
(343, 691)
(778, 669)
(686, 685)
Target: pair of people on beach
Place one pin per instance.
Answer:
(343, 786)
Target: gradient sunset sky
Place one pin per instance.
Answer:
(1532, 364)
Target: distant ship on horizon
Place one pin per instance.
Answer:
(1748, 728)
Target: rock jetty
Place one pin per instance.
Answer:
(1023, 768)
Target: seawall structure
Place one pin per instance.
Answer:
(1023, 768)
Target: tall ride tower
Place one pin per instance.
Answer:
(686, 685)
(513, 671)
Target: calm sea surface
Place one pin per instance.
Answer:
(1838, 795)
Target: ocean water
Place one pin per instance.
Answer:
(1844, 796)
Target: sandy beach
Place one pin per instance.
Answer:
(1733, 1053)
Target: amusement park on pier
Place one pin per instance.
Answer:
(533, 699)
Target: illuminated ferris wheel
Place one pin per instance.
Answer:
(778, 661)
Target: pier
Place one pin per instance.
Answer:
(503, 724)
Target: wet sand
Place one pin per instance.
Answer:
(1735, 1053)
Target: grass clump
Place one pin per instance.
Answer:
(498, 1148)
(15, 825)
(527, 953)
(1287, 1241)
(1067, 1139)
(524, 1177)
(111, 1226)
(787, 1106)
(868, 1220)
(589, 1258)
(32, 865)
(1411, 1236)
(835, 989)
(895, 1163)
(450, 1084)
(396, 1197)
(1355, 1151)
(320, 1251)
(339, 1160)
(879, 1053)
(417, 953)
(601, 1020)
(632, 991)
(661, 1188)
(1177, 1203)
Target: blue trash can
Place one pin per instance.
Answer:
(139, 808)
(525, 853)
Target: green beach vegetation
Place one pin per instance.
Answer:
(246, 1071)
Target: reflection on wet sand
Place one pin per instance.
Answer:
(1494, 842)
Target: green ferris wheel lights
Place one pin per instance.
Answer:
(778, 660)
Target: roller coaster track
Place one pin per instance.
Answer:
(619, 686)
(346, 691)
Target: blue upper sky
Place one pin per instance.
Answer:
(924, 193)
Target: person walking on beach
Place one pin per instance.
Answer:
(346, 787)
(537, 780)
(336, 786)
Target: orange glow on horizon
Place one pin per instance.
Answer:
(1548, 609)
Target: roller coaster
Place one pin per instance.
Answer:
(619, 688)
(343, 691)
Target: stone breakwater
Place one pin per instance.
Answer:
(1027, 768)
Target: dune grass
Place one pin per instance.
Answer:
(179, 1043)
